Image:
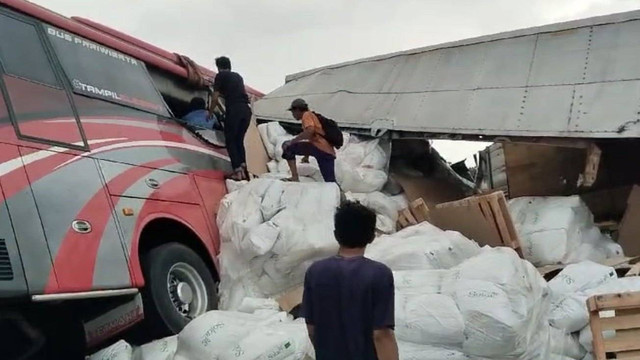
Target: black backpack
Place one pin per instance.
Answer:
(331, 131)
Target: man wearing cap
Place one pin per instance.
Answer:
(310, 142)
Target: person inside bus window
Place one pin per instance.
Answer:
(230, 86)
(198, 116)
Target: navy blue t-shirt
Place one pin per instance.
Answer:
(231, 86)
(346, 299)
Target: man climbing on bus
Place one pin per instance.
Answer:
(230, 86)
(319, 138)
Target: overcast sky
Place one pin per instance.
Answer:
(268, 39)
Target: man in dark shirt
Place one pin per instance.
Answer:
(230, 86)
(348, 299)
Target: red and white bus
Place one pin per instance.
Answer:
(104, 194)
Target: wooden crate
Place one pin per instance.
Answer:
(626, 323)
(416, 213)
(483, 218)
(495, 209)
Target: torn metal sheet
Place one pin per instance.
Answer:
(577, 79)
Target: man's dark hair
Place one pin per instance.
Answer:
(355, 225)
(223, 63)
(197, 103)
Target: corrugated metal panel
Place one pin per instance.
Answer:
(577, 79)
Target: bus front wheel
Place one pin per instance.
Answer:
(179, 287)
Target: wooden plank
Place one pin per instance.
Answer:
(621, 322)
(407, 214)
(624, 340)
(619, 260)
(614, 301)
(513, 233)
(634, 271)
(628, 312)
(500, 221)
(486, 210)
(470, 221)
(481, 218)
(613, 262)
(408, 217)
(596, 330)
(403, 222)
(460, 203)
(558, 142)
(588, 178)
(629, 355)
(420, 210)
(609, 225)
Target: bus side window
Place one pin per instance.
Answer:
(41, 106)
(22, 54)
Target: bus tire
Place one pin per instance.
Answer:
(178, 288)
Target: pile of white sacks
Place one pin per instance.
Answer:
(225, 335)
(360, 164)
(271, 231)
(361, 172)
(454, 300)
(569, 316)
(559, 230)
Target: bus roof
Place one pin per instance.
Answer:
(150, 54)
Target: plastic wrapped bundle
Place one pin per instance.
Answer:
(386, 209)
(556, 230)
(422, 247)
(277, 229)
(118, 351)
(409, 351)
(579, 277)
(163, 349)
(429, 319)
(281, 341)
(567, 345)
(504, 303)
(571, 313)
(209, 335)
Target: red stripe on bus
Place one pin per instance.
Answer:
(75, 261)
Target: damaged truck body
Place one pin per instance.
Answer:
(561, 103)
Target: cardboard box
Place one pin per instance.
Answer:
(629, 233)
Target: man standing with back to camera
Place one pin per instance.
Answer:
(230, 86)
(348, 300)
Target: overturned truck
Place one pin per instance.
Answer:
(560, 102)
